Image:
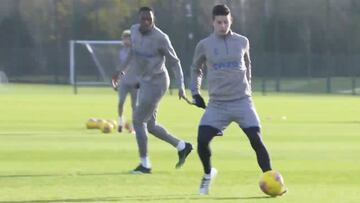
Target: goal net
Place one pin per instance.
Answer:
(93, 62)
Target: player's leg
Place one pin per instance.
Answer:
(262, 155)
(250, 124)
(156, 93)
(123, 91)
(149, 96)
(212, 123)
(134, 97)
(205, 135)
(160, 132)
(183, 148)
(141, 115)
(251, 127)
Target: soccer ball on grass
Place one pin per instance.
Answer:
(106, 127)
(272, 183)
(113, 122)
(92, 123)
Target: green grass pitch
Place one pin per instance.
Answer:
(47, 155)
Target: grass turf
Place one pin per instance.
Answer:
(47, 155)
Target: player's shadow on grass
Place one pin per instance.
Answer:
(143, 198)
(74, 174)
(78, 173)
(17, 134)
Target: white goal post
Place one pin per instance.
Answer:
(92, 62)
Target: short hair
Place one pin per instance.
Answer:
(126, 33)
(145, 8)
(220, 10)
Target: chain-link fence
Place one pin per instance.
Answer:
(296, 46)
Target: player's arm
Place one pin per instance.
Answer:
(248, 62)
(171, 57)
(124, 66)
(197, 74)
(121, 70)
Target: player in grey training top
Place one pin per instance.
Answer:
(125, 82)
(150, 47)
(226, 56)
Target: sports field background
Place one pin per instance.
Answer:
(47, 155)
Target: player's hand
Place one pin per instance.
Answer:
(115, 80)
(199, 101)
(182, 93)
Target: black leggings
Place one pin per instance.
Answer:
(262, 155)
(207, 133)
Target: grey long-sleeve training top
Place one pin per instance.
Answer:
(229, 78)
(149, 52)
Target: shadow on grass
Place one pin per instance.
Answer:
(17, 134)
(142, 198)
(74, 174)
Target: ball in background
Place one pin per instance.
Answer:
(100, 123)
(129, 127)
(113, 122)
(92, 123)
(107, 127)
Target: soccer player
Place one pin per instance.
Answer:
(125, 83)
(150, 48)
(226, 56)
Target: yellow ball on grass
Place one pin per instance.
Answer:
(272, 183)
(92, 123)
(113, 122)
(107, 127)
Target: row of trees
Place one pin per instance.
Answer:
(292, 37)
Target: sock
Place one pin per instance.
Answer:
(121, 121)
(145, 161)
(181, 145)
(207, 176)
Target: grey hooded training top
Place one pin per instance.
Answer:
(229, 78)
(149, 52)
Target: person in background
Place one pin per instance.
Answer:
(125, 82)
